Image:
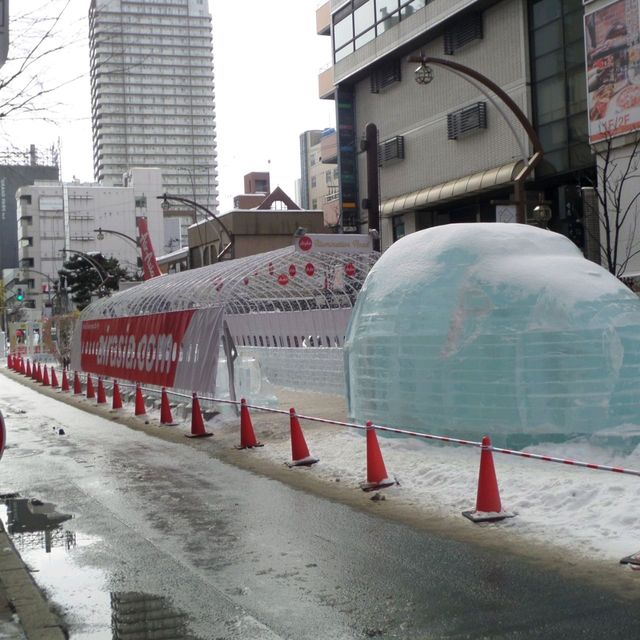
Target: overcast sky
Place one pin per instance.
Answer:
(267, 58)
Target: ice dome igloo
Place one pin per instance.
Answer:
(498, 329)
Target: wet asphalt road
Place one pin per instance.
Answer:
(235, 555)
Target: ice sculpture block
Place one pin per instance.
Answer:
(492, 328)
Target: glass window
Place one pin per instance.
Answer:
(398, 227)
(574, 54)
(577, 89)
(388, 14)
(368, 36)
(344, 52)
(342, 32)
(573, 27)
(549, 65)
(553, 135)
(547, 38)
(364, 17)
(551, 99)
(545, 11)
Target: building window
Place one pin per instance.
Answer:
(558, 85)
(466, 120)
(398, 227)
(141, 202)
(314, 182)
(462, 33)
(360, 21)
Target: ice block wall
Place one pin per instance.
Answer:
(503, 329)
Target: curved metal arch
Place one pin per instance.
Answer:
(167, 198)
(281, 280)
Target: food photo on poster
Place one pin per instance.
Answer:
(612, 41)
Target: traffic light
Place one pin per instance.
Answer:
(19, 295)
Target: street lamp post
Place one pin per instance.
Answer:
(100, 231)
(424, 75)
(167, 199)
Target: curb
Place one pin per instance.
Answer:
(24, 598)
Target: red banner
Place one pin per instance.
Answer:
(150, 267)
(177, 349)
(139, 348)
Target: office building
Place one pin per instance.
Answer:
(18, 169)
(58, 220)
(449, 149)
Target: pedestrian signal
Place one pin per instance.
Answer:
(19, 295)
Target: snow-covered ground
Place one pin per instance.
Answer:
(590, 513)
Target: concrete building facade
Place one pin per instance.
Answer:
(448, 149)
(53, 216)
(152, 93)
(17, 170)
(319, 174)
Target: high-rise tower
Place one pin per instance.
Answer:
(152, 93)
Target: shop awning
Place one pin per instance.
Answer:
(475, 183)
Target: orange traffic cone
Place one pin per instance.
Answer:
(197, 423)
(117, 399)
(45, 377)
(37, 374)
(54, 379)
(10, 361)
(165, 410)
(247, 436)
(299, 449)
(140, 409)
(376, 472)
(77, 385)
(488, 505)
(28, 371)
(65, 381)
(91, 393)
(102, 396)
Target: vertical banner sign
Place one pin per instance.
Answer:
(612, 53)
(177, 349)
(150, 268)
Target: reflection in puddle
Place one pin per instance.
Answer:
(145, 617)
(33, 524)
(90, 610)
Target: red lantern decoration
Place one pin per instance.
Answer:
(283, 279)
(350, 269)
(309, 269)
(292, 270)
(246, 281)
(271, 269)
(305, 243)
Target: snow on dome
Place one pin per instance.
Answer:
(503, 329)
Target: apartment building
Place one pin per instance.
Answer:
(152, 94)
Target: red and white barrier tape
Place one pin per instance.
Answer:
(406, 432)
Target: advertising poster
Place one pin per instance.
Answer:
(612, 43)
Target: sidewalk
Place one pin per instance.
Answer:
(24, 611)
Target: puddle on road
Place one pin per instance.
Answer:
(89, 611)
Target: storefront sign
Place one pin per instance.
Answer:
(612, 35)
